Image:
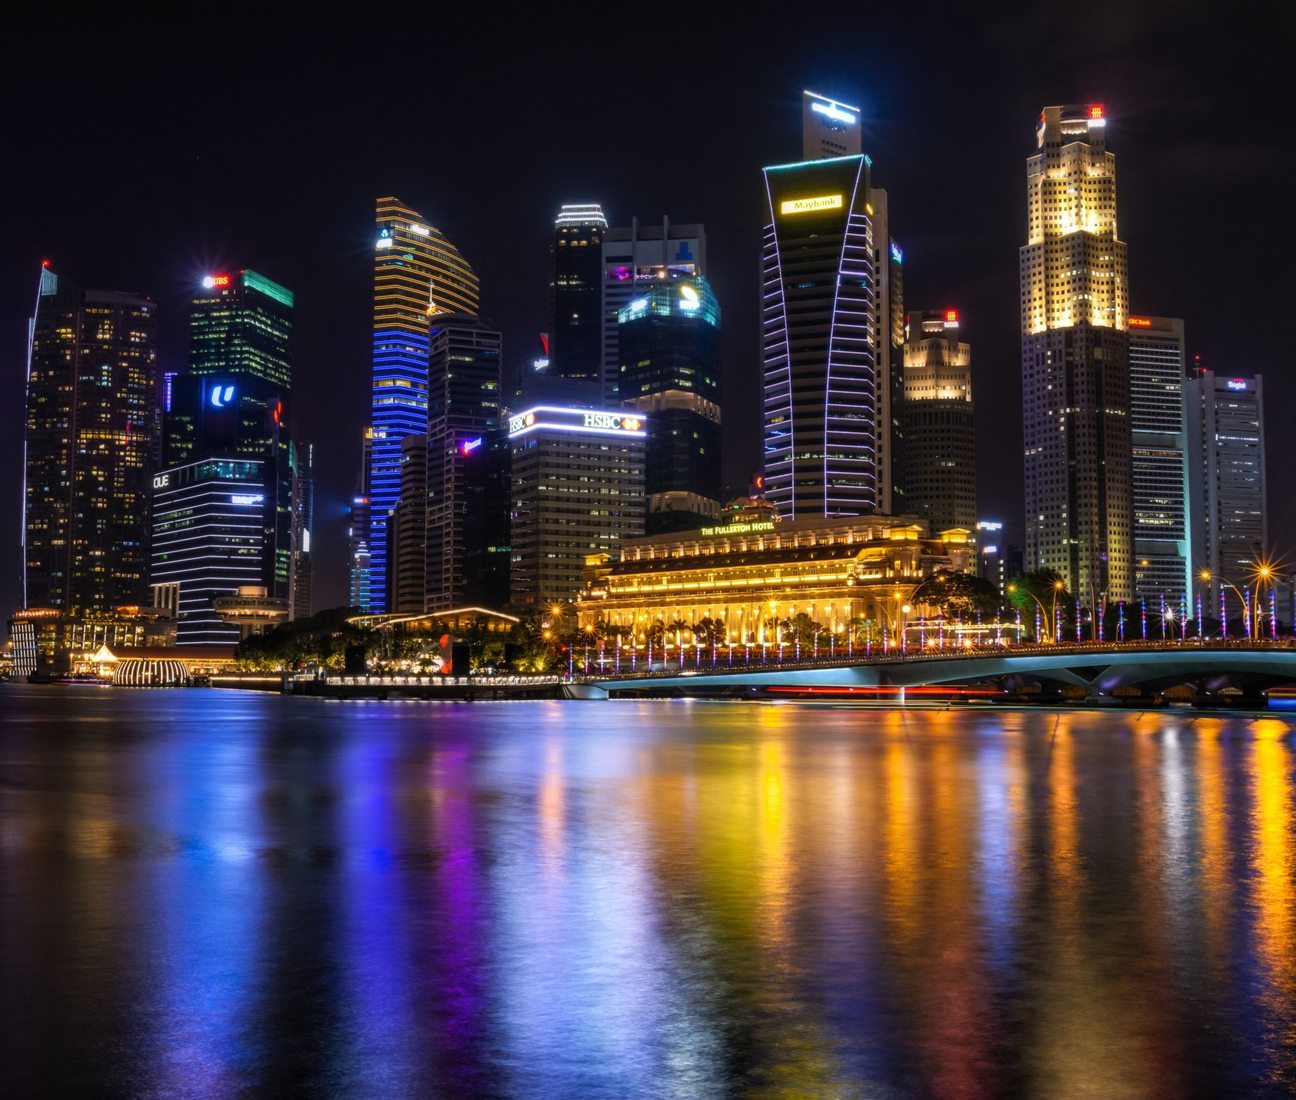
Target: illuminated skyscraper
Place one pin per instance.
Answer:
(1075, 361)
(1226, 479)
(578, 489)
(576, 291)
(417, 274)
(1162, 566)
(825, 319)
(241, 323)
(940, 437)
(303, 509)
(669, 346)
(635, 258)
(463, 420)
(91, 394)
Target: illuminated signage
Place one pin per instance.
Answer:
(1095, 111)
(383, 242)
(221, 396)
(611, 420)
(1237, 384)
(832, 111)
(951, 316)
(896, 254)
(421, 230)
(989, 549)
(1140, 322)
(805, 206)
(575, 420)
(469, 445)
(247, 498)
(738, 528)
(216, 281)
(161, 481)
(689, 299)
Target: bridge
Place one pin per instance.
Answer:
(1093, 671)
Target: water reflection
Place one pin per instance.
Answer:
(203, 893)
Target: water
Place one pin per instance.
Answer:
(208, 893)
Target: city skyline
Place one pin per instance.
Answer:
(938, 236)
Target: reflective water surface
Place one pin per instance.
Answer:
(209, 893)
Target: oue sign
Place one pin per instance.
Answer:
(161, 481)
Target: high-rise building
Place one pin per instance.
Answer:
(829, 128)
(940, 436)
(997, 562)
(88, 448)
(669, 346)
(576, 292)
(1162, 565)
(825, 425)
(463, 415)
(578, 490)
(226, 460)
(1075, 361)
(359, 565)
(635, 258)
(209, 540)
(241, 323)
(1226, 480)
(303, 523)
(408, 529)
(418, 273)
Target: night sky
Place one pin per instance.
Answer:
(143, 159)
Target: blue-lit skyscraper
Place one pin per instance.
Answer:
(417, 273)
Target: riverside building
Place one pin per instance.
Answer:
(578, 489)
(1075, 361)
(749, 570)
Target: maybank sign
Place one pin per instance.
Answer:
(805, 206)
(575, 420)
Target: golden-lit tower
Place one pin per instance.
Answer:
(418, 274)
(1075, 361)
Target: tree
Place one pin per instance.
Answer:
(1043, 591)
(709, 631)
(955, 594)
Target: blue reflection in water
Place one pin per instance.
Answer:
(205, 893)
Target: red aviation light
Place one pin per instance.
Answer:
(1095, 111)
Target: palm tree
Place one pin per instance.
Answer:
(678, 626)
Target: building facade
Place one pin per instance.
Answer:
(829, 128)
(209, 540)
(578, 489)
(669, 345)
(939, 422)
(635, 259)
(825, 413)
(88, 448)
(1162, 563)
(1075, 361)
(241, 323)
(302, 595)
(576, 292)
(417, 274)
(1226, 482)
(463, 416)
(753, 572)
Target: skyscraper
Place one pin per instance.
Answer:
(241, 323)
(1226, 479)
(825, 430)
(1075, 361)
(578, 489)
(463, 415)
(1162, 566)
(635, 258)
(940, 436)
(303, 510)
(91, 396)
(575, 292)
(417, 273)
(669, 346)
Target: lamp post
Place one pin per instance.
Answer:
(1206, 577)
(1043, 610)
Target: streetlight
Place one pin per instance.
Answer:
(1043, 610)
(1207, 576)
